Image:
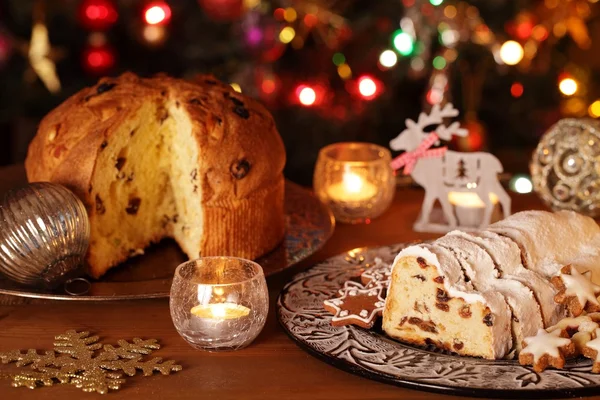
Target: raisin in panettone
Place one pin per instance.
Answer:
(163, 157)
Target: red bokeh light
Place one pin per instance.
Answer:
(279, 13)
(98, 14)
(517, 89)
(311, 20)
(98, 60)
(524, 29)
(268, 86)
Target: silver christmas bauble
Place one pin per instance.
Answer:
(44, 234)
(565, 167)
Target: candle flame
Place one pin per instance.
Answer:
(220, 311)
(469, 199)
(352, 182)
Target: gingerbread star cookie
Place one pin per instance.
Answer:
(592, 350)
(356, 306)
(546, 349)
(582, 323)
(576, 290)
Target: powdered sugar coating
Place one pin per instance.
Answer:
(507, 256)
(553, 240)
(480, 267)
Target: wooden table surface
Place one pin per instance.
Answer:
(272, 367)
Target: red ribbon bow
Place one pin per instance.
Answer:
(410, 158)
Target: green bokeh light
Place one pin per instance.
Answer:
(403, 42)
(338, 59)
(436, 2)
(439, 62)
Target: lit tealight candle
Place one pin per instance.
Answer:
(469, 207)
(219, 320)
(352, 188)
(220, 311)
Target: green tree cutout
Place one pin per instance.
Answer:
(462, 170)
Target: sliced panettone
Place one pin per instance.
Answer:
(507, 259)
(163, 157)
(429, 302)
(481, 270)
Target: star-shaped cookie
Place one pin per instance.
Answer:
(546, 349)
(592, 350)
(576, 290)
(356, 306)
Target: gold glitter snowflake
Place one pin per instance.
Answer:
(79, 359)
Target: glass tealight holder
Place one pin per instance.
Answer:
(219, 303)
(355, 180)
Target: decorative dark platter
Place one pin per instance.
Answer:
(309, 225)
(369, 353)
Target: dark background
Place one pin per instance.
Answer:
(216, 36)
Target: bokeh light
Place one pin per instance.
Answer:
(517, 89)
(367, 87)
(594, 109)
(157, 13)
(404, 43)
(306, 95)
(450, 12)
(338, 59)
(439, 62)
(388, 59)
(290, 14)
(154, 34)
(511, 52)
(344, 71)
(568, 86)
(521, 184)
(287, 34)
(268, 86)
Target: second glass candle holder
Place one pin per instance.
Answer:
(219, 303)
(355, 180)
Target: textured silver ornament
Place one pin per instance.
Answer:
(566, 166)
(44, 234)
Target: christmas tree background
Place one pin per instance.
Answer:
(329, 70)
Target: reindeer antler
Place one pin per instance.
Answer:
(446, 132)
(435, 117)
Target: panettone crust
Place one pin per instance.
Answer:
(239, 170)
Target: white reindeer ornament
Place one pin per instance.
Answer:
(441, 171)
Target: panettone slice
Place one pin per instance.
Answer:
(430, 303)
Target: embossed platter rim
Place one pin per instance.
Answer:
(372, 355)
(309, 224)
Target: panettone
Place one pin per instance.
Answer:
(163, 157)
